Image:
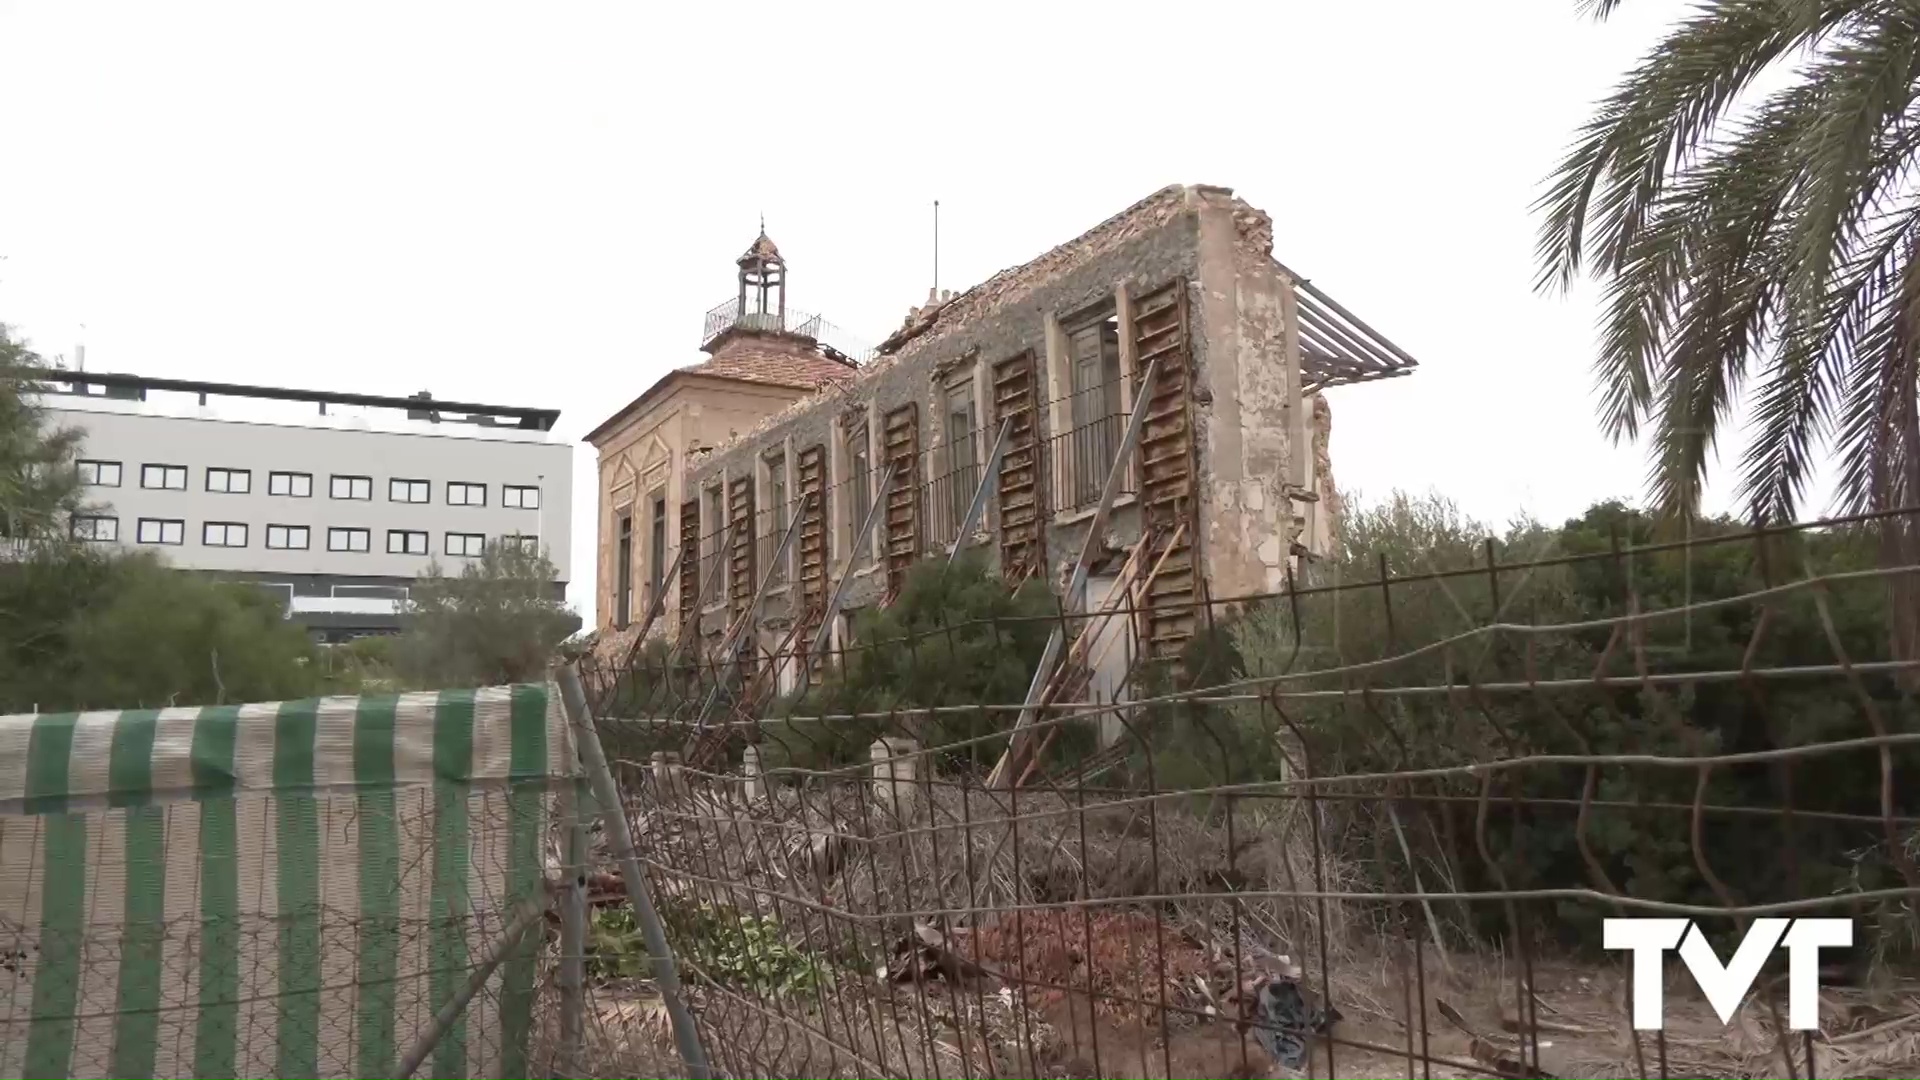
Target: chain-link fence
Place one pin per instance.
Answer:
(1356, 828)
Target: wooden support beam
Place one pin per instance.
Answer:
(1085, 669)
(1137, 592)
(839, 594)
(979, 504)
(1077, 583)
(654, 611)
(1077, 654)
(1078, 670)
(706, 585)
(743, 624)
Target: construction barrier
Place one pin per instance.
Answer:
(289, 889)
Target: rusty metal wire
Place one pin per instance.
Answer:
(1397, 799)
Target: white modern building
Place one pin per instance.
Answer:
(335, 501)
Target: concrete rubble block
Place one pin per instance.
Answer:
(669, 777)
(753, 784)
(896, 780)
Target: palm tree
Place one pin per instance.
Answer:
(1759, 244)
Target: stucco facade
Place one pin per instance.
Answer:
(758, 364)
(643, 459)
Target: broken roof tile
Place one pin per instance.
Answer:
(774, 362)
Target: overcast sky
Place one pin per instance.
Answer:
(535, 204)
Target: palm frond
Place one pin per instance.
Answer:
(1652, 123)
(1836, 332)
(1782, 250)
(1705, 369)
(1875, 452)
(1854, 221)
(1771, 249)
(1638, 307)
(1669, 302)
(1865, 81)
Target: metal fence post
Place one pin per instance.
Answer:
(573, 933)
(613, 817)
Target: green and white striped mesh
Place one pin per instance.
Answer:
(277, 890)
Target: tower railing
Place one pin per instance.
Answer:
(733, 314)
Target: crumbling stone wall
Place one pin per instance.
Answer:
(1328, 510)
(1241, 406)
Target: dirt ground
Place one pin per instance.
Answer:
(950, 1006)
(1469, 1030)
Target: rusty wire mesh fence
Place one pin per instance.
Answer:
(1366, 826)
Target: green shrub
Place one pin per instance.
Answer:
(955, 636)
(1644, 851)
(494, 623)
(88, 629)
(615, 948)
(740, 950)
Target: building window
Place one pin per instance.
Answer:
(521, 542)
(1095, 375)
(777, 513)
(406, 542)
(369, 592)
(281, 592)
(230, 481)
(223, 534)
(94, 527)
(716, 524)
(468, 545)
(288, 537)
(1093, 380)
(160, 531)
(623, 574)
(860, 477)
(516, 497)
(657, 548)
(409, 491)
(349, 539)
(165, 477)
(459, 494)
(963, 462)
(352, 487)
(297, 484)
(99, 473)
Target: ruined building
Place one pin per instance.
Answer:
(1020, 391)
(761, 357)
